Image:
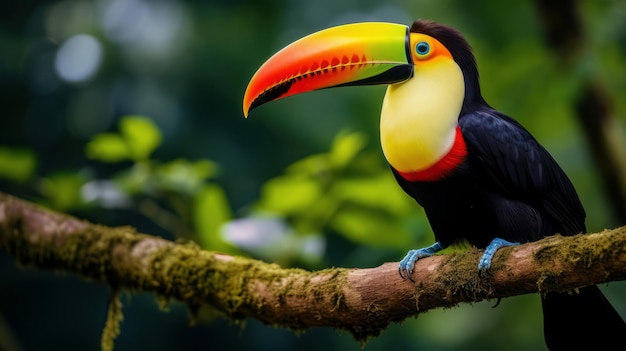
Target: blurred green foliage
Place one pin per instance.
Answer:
(128, 112)
(17, 164)
(137, 139)
(342, 190)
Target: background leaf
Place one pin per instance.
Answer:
(211, 212)
(17, 164)
(108, 147)
(141, 135)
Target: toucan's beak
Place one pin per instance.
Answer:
(352, 54)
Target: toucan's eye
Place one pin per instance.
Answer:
(422, 48)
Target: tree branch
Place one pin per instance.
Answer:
(361, 301)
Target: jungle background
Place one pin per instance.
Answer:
(128, 112)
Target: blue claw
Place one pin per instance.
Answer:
(408, 262)
(490, 251)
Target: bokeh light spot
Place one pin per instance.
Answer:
(78, 58)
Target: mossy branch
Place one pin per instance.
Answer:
(362, 301)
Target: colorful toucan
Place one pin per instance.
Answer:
(480, 176)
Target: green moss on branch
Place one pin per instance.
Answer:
(361, 301)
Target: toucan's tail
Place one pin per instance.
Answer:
(582, 321)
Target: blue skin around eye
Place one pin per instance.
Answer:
(422, 48)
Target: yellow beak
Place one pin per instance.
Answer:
(352, 54)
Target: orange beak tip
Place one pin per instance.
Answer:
(352, 54)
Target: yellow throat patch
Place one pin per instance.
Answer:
(419, 116)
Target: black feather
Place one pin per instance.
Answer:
(510, 187)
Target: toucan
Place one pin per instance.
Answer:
(480, 176)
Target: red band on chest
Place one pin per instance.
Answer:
(443, 167)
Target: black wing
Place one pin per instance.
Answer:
(522, 169)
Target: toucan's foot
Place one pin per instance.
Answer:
(408, 262)
(490, 251)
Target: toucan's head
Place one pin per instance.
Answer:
(431, 74)
(361, 54)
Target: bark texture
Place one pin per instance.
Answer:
(361, 301)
